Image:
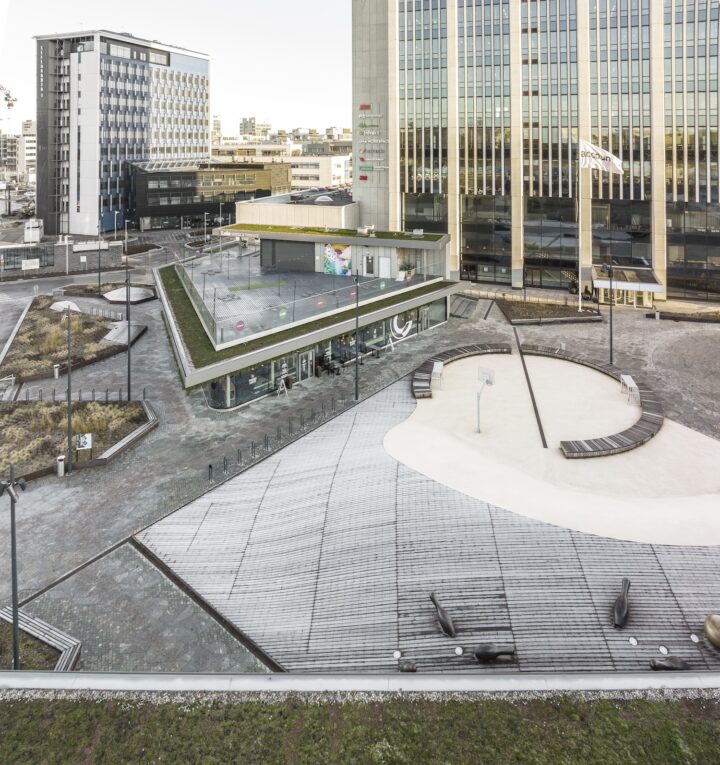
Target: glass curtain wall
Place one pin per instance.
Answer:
(550, 119)
(326, 358)
(691, 148)
(484, 138)
(423, 112)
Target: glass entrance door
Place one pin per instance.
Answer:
(306, 365)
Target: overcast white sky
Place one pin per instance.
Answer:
(284, 61)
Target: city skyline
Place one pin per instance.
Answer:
(285, 95)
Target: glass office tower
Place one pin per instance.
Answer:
(479, 105)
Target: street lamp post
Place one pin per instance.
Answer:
(11, 486)
(357, 336)
(607, 268)
(205, 217)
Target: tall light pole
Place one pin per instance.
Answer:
(205, 217)
(221, 205)
(357, 336)
(607, 268)
(11, 486)
(127, 316)
(69, 391)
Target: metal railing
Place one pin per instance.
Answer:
(248, 453)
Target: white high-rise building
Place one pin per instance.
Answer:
(104, 100)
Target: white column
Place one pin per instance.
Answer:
(516, 146)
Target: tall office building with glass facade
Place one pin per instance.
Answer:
(105, 100)
(467, 116)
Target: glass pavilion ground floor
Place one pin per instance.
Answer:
(621, 236)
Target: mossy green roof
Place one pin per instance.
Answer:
(345, 233)
(203, 353)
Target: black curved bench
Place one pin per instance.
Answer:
(650, 422)
(422, 376)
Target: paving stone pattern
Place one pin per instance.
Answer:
(131, 618)
(325, 555)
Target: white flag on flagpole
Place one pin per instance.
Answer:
(595, 158)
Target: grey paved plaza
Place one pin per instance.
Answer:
(325, 555)
(503, 566)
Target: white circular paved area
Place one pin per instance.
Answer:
(665, 492)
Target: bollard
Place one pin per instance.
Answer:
(267, 443)
(106, 395)
(332, 403)
(225, 465)
(209, 472)
(27, 395)
(323, 410)
(252, 449)
(143, 394)
(93, 394)
(239, 457)
(53, 396)
(279, 434)
(40, 394)
(119, 394)
(312, 415)
(302, 422)
(290, 428)
(79, 394)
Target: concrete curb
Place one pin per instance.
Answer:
(455, 683)
(16, 329)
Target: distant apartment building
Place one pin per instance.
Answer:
(27, 153)
(104, 101)
(250, 128)
(324, 170)
(321, 171)
(9, 145)
(186, 195)
(216, 134)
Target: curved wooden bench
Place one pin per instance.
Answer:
(422, 376)
(650, 422)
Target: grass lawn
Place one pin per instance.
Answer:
(35, 432)
(201, 349)
(487, 732)
(34, 654)
(42, 341)
(516, 309)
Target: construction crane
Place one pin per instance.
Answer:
(8, 96)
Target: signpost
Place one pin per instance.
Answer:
(83, 442)
(239, 325)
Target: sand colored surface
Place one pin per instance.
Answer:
(665, 492)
